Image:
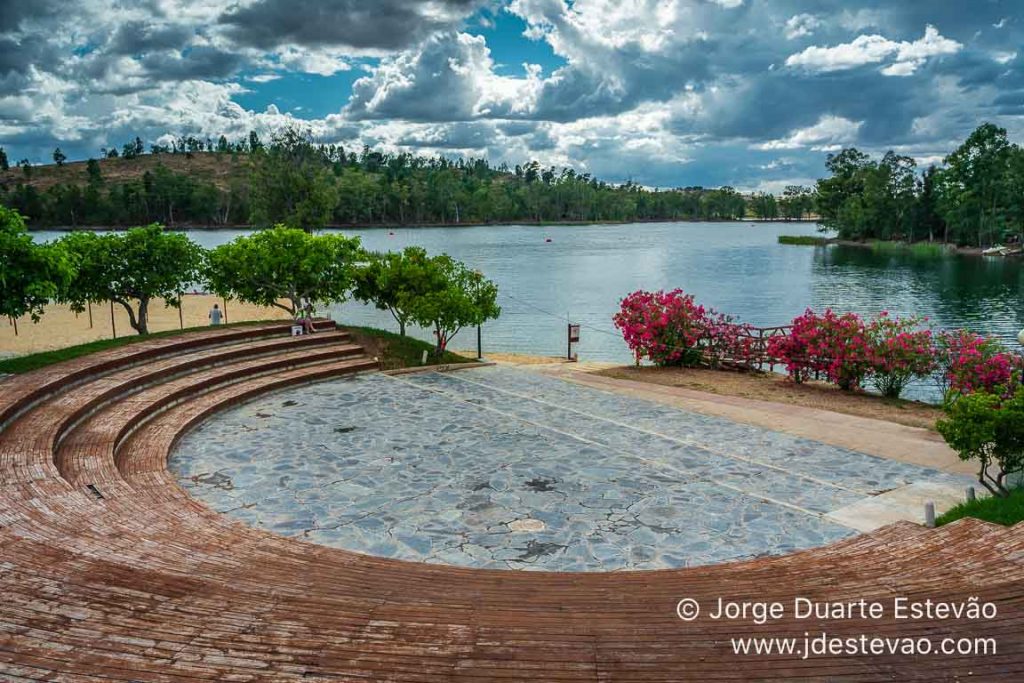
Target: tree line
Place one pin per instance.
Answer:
(292, 180)
(975, 198)
(283, 267)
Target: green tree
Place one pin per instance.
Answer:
(283, 263)
(292, 184)
(4, 162)
(926, 220)
(132, 269)
(31, 275)
(990, 429)
(846, 183)
(465, 298)
(1015, 194)
(58, 157)
(93, 171)
(974, 186)
(797, 201)
(395, 280)
(764, 206)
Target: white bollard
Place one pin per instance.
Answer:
(424, 360)
(929, 515)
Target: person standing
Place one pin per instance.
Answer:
(215, 315)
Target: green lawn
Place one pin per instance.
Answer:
(1006, 511)
(396, 351)
(393, 350)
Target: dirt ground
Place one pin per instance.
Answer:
(59, 327)
(780, 390)
(514, 358)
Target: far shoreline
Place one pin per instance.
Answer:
(407, 226)
(950, 246)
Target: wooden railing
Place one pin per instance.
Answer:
(758, 358)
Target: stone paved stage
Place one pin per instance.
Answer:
(507, 468)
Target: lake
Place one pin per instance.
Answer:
(736, 267)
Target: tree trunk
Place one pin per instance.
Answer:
(138, 322)
(398, 319)
(142, 323)
(441, 341)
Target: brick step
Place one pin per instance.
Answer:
(145, 451)
(37, 384)
(86, 455)
(36, 432)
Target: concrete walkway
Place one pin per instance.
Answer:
(911, 445)
(902, 443)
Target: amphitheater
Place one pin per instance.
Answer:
(111, 571)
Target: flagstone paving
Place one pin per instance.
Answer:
(508, 468)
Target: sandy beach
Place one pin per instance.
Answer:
(60, 327)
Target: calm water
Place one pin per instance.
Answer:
(738, 268)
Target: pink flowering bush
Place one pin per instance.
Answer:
(829, 345)
(970, 362)
(728, 341)
(899, 351)
(664, 327)
(670, 328)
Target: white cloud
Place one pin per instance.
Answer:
(310, 61)
(900, 69)
(862, 50)
(873, 49)
(828, 134)
(777, 186)
(800, 25)
(449, 77)
(1004, 57)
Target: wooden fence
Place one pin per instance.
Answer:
(758, 357)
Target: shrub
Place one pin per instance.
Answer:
(830, 345)
(670, 328)
(899, 351)
(664, 327)
(970, 362)
(988, 428)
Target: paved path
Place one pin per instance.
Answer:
(867, 435)
(511, 469)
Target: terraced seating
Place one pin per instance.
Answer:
(110, 572)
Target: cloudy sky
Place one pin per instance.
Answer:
(751, 93)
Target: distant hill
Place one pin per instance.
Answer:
(218, 168)
(293, 181)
